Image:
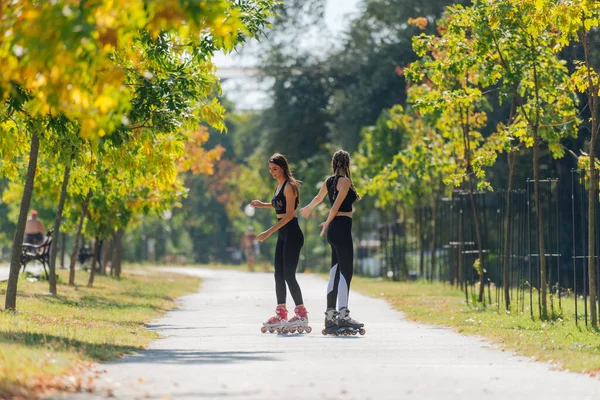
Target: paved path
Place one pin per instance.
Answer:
(4, 268)
(212, 348)
(33, 268)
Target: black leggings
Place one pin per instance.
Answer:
(339, 236)
(287, 253)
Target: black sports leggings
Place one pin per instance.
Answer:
(339, 236)
(287, 253)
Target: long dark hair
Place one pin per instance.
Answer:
(282, 162)
(341, 162)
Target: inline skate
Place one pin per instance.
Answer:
(348, 326)
(331, 324)
(340, 324)
(277, 322)
(298, 322)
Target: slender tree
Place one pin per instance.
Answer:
(578, 19)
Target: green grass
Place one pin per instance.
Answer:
(558, 341)
(263, 266)
(52, 337)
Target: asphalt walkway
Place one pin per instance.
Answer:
(212, 348)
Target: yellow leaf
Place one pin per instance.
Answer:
(104, 103)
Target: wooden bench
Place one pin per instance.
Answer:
(37, 252)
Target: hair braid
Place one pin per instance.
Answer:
(341, 162)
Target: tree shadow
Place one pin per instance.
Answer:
(98, 302)
(194, 357)
(96, 351)
(156, 327)
(227, 394)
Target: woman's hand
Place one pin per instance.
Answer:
(256, 203)
(324, 225)
(263, 236)
(306, 211)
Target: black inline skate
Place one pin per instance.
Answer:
(331, 325)
(347, 326)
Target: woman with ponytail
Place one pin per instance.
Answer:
(287, 252)
(342, 194)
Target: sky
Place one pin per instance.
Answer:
(250, 93)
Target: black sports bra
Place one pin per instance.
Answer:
(332, 191)
(279, 203)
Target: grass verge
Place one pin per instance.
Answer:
(559, 341)
(49, 340)
(263, 266)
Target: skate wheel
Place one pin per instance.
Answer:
(362, 331)
(263, 329)
(324, 332)
(271, 330)
(300, 330)
(308, 329)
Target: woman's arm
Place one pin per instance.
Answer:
(343, 187)
(290, 202)
(42, 228)
(260, 204)
(305, 212)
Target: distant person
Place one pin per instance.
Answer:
(248, 247)
(342, 194)
(287, 251)
(34, 229)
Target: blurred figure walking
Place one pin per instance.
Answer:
(34, 229)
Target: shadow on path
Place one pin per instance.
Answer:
(192, 357)
(176, 327)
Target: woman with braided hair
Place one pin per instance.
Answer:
(342, 194)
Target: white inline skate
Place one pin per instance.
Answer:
(276, 323)
(298, 322)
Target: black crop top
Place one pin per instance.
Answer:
(332, 191)
(279, 203)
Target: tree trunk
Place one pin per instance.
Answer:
(15, 261)
(592, 199)
(106, 253)
(507, 232)
(62, 250)
(433, 237)
(592, 94)
(479, 240)
(118, 252)
(540, 226)
(94, 259)
(77, 239)
(57, 221)
(461, 274)
(421, 242)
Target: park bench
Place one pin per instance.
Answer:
(37, 252)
